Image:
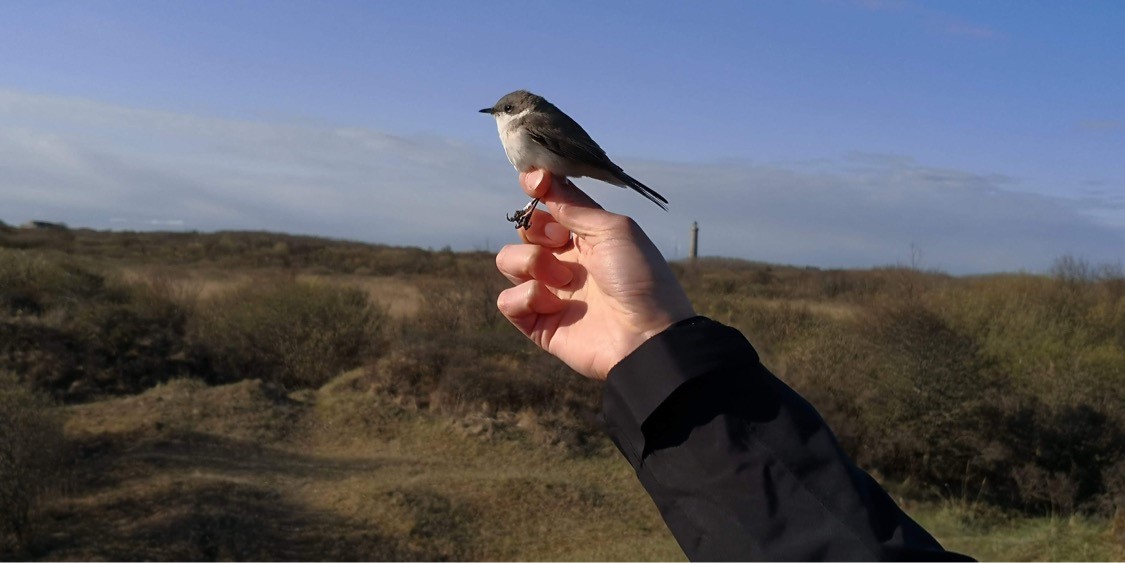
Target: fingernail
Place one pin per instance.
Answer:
(556, 232)
(534, 178)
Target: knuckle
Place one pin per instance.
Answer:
(530, 260)
(504, 258)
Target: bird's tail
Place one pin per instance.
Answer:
(642, 189)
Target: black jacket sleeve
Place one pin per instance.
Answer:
(741, 466)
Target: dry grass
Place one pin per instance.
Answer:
(297, 334)
(458, 440)
(186, 471)
(241, 471)
(988, 536)
(397, 294)
(31, 448)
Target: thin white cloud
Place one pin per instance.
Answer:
(868, 212)
(126, 222)
(94, 164)
(876, 5)
(1102, 125)
(927, 15)
(970, 30)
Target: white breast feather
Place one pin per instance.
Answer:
(524, 153)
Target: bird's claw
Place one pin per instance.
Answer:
(522, 217)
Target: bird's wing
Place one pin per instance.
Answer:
(579, 147)
(565, 137)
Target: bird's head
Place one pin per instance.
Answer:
(515, 104)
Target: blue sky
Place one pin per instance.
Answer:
(991, 135)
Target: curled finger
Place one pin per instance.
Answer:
(524, 303)
(577, 211)
(522, 262)
(545, 231)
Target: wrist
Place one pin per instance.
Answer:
(691, 320)
(634, 338)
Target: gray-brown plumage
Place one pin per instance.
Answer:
(536, 134)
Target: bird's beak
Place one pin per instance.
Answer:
(486, 110)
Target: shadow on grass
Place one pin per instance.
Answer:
(110, 460)
(198, 520)
(200, 497)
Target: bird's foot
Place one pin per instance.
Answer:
(522, 217)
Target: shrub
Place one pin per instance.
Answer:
(774, 327)
(32, 283)
(933, 401)
(132, 339)
(295, 334)
(915, 397)
(49, 358)
(460, 378)
(483, 380)
(75, 333)
(1064, 457)
(832, 370)
(31, 447)
(491, 385)
(464, 304)
(411, 370)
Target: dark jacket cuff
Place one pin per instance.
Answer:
(645, 379)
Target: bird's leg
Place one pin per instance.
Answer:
(528, 211)
(522, 217)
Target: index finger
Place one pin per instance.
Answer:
(577, 211)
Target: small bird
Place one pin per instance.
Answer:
(536, 134)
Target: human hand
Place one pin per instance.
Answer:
(592, 298)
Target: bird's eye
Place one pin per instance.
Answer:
(508, 107)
